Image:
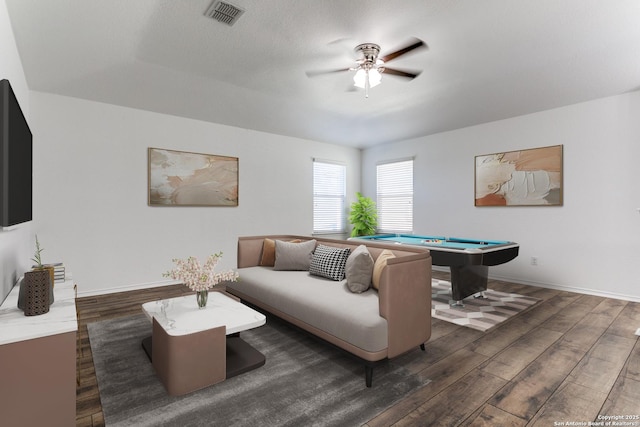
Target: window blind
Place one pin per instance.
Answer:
(329, 183)
(395, 196)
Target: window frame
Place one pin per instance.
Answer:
(339, 213)
(385, 197)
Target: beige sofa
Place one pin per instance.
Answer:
(373, 325)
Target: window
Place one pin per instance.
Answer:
(395, 196)
(329, 184)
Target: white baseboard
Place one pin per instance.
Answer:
(584, 291)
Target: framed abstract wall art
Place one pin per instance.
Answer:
(531, 177)
(180, 178)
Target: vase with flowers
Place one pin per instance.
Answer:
(200, 277)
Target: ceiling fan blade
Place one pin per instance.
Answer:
(318, 73)
(415, 43)
(400, 73)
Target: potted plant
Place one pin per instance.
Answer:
(36, 291)
(37, 258)
(363, 216)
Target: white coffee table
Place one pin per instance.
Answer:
(189, 336)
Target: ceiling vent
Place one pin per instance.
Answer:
(224, 12)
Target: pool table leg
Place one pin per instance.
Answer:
(467, 280)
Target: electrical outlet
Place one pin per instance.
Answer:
(534, 260)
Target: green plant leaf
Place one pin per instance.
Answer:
(363, 216)
(37, 258)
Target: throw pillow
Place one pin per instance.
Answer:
(380, 264)
(268, 253)
(359, 269)
(293, 256)
(329, 262)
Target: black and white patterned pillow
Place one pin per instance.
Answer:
(329, 262)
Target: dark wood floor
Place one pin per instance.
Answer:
(572, 358)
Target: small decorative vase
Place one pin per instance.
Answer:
(201, 297)
(36, 294)
(22, 294)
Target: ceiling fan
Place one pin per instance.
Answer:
(369, 67)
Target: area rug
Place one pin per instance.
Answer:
(303, 382)
(482, 314)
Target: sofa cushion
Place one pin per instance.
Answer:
(320, 302)
(329, 262)
(359, 269)
(380, 264)
(293, 256)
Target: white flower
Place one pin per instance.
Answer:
(197, 277)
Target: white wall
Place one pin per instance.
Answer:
(16, 245)
(590, 243)
(90, 190)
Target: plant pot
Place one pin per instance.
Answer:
(21, 293)
(37, 289)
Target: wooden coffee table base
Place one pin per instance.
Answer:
(241, 357)
(194, 348)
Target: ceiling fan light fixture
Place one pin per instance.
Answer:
(375, 77)
(360, 78)
(363, 75)
(369, 67)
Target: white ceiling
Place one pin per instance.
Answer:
(487, 60)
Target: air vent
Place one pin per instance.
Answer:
(224, 12)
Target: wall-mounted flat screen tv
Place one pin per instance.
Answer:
(16, 160)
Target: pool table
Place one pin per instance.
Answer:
(468, 259)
